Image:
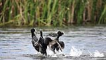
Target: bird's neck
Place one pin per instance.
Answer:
(33, 34)
(57, 38)
(41, 34)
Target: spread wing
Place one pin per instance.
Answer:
(34, 38)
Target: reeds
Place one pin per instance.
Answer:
(52, 12)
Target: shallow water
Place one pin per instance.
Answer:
(81, 43)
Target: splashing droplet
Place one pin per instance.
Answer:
(98, 54)
(75, 52)
(49, 52)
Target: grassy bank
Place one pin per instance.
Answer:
(52, 12)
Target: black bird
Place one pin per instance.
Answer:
(39, 45)
(55, 44)
(35, 40)
(44, 46)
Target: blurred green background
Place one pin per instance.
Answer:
(52, 12)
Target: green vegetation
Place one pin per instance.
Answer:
(52, 12)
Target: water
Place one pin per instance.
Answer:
(81, 43)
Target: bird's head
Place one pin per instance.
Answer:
(32, 30)
(60, 33)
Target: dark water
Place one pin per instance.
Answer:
(81, 43)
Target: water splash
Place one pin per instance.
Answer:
(51, 53)
(75, 52)
(96, 54)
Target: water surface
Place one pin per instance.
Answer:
(81, 43)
